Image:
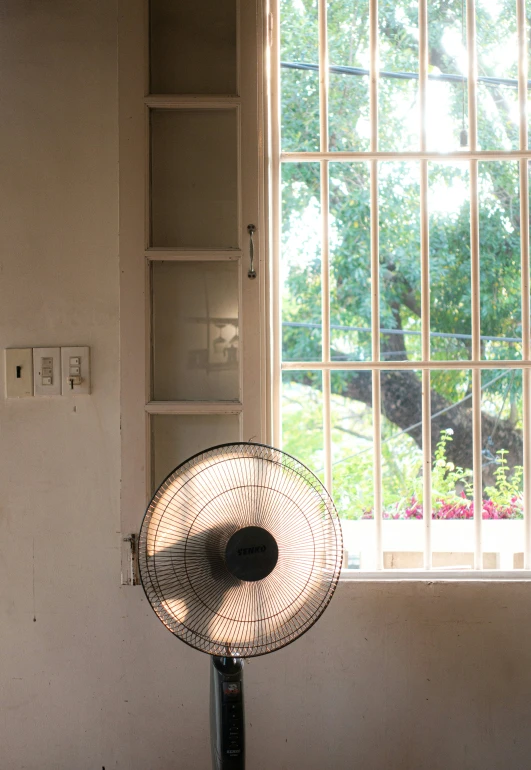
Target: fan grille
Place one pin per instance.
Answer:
(185, 532)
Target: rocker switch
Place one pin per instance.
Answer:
(47, 371)
(76, 370)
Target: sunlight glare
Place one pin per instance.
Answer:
(448, 198)
(301, 243)
(453, 45)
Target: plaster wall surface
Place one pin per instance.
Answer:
(395, 676)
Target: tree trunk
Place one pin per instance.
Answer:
(402, 405)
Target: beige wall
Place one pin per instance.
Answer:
(394, 676)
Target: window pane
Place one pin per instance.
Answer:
(175, 438)
(401, 460)
(352, 443)
(398, 86)
(350, 262)
(302, 418)
(453, 542)
(299, 76)
(301, 262)
(502, 459)
(402, 444)
(348, 53)
(194, 178)
(195, 331)
(352, 463)
(402, 468)
(399, 244)
(449, 216)
(447, 92)
(499, 237)
(497, 52)
(188, 56)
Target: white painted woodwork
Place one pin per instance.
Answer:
(194, 178)
(195, 331)
(176, 437)
(193, 47)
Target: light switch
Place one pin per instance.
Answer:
(75, 366)
(47, 371)
(19, 372)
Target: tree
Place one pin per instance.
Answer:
(399, 223)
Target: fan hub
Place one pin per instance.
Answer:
(251, 553)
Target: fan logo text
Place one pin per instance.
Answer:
(253, 549)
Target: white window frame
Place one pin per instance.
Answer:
(326, 365)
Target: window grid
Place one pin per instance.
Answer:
(476, 364)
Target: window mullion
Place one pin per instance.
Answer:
(276, 222)
(524, 267)
(425, 285)
(325, 250)
(375, 284)
(475, 285)
(344, 156)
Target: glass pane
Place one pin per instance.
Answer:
(175, 438)
(300, 262)
(398, 87)
(350, 262)
(402, 444)
(302, 418)
(402, 468)
(194, 178)
(187, 55)
(449, 217)
(352, 443)
(399, 244)
(452, 462)
(502, 459)
(447, 93)
(352, 463)
(499, 238)
(348, 93)
(497, 52)
(195, 331)
(299, 75)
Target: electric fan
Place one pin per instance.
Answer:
(240, 552)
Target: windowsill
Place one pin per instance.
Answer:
(423, 575)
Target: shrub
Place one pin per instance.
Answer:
(452, 491)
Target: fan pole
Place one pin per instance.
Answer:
(227, 727)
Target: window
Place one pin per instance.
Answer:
(400, 236)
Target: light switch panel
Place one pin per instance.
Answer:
(47, 371)
(19, 372)
(75, 367)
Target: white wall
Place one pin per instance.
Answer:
(394, 676)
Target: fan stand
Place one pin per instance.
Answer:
(251, 554)
(227, 724)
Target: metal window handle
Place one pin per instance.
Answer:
(252, 272)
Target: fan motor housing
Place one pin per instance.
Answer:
(251, 553)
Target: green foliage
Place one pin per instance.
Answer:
(399, 230)
(399, 225)
(506, 487)
(447, 480)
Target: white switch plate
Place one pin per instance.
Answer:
(47, 383)
(75, 367)
(19, 372)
